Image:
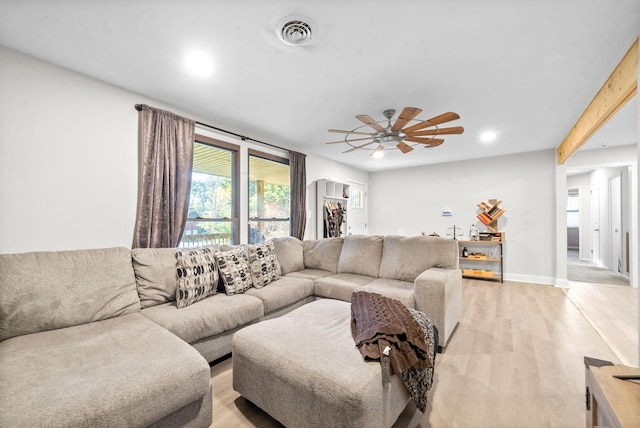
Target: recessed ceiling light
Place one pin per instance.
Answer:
(487, 136)
(199, 64)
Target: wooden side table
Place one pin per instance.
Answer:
(612, 401)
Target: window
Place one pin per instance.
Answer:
(357, 198)
(269, 196)
(213, 203)
(573, 209)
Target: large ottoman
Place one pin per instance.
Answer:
(305, 371)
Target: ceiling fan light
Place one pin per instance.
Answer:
(378, 152)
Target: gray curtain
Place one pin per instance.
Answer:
(166, 159)
(298, 176)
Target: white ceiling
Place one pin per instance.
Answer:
(525, 69)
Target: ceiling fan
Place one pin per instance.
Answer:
(398, 135)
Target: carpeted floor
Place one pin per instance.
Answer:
(578, 270)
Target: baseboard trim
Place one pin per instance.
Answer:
(545, 280)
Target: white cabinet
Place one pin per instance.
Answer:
(331, 208)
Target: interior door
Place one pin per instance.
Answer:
(615, 216)
(595, 224)
(357, 209)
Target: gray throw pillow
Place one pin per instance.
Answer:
(197, 275)
(234, 270)
(263, 263)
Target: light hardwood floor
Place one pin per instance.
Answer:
(515, 360)
(613, 312)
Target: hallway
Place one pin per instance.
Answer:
(582, 271)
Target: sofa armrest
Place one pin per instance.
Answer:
(438, 293)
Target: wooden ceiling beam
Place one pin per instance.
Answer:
(621, 86)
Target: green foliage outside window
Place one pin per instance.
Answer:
(269, 199)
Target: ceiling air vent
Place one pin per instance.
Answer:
(296, 30)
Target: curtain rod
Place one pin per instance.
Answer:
(242, 137)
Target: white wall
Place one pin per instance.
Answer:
(68, 158)
(410, 201)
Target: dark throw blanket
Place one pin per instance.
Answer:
(402, 339)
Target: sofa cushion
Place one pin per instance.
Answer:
(393, 288)
(361, 255)
(289, 252)
(322, 254)
(234, 270)
(263, 263)
(155, 270)
(48, 290)
(311, 274)
(197, 275)
(283, 292)
(340, 286)
(406, 257)
(124, 371)
(209, 317)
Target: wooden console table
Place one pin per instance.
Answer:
(612, 401)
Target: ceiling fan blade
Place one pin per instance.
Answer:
(407, 114)
(404, 147)
(437, 120)
(428, 141)
(343, 141)
(444, 117)
(369, 121)
(340, 131)
(358, 147)
(441, 131)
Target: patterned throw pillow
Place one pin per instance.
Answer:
(263, 263)
(234, 270)
(197, 275)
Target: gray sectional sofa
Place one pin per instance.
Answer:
(95, 338)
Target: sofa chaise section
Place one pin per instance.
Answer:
(121, 372)
(75, 350)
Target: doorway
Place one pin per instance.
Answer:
(598, 215)
(357, 209)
